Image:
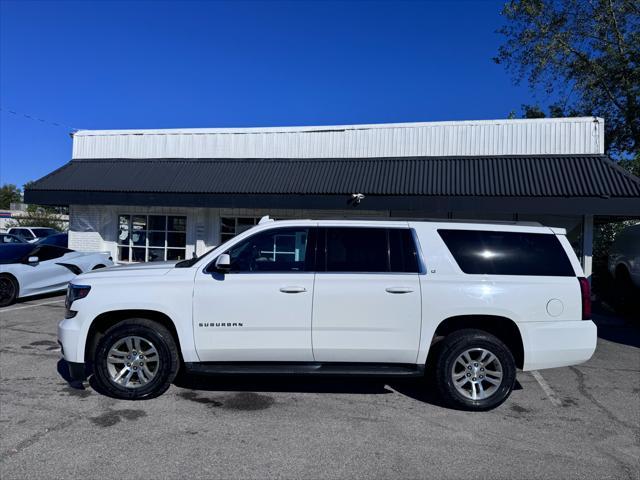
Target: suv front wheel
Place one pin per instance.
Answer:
(474, 370)
(136, 359)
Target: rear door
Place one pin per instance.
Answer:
(367, 303)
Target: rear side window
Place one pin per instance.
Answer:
(507, 253)
(355, 249)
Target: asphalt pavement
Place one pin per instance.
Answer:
(576, 422)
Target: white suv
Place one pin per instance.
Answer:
(470, 301)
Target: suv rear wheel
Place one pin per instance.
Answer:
(474, 370)
(136, 359)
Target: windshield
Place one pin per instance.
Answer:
(14, 252)
(43, 232)
(59, 240)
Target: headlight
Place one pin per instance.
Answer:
(74, 292)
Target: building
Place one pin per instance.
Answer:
(149, 195)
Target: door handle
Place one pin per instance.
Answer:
(293, 289)
(399, 290)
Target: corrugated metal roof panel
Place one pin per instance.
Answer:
(550, 136)
(530, 176)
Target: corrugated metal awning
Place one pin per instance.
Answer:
(525, 177)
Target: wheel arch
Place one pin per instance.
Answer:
(106, 320)
(504, 328)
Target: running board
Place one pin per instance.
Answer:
(305, 368)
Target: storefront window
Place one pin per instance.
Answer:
(232, 226)
(151, 238)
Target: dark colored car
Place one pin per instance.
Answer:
(6, 238)
(58, 240)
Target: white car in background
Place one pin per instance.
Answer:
(27, 269)
(32, 234)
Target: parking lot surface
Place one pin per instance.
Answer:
(577, 422)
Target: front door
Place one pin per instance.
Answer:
(367, 302)
(261, 309)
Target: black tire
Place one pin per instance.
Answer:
(452, 347)
(97, 267)
(9, 290)
(152, 333)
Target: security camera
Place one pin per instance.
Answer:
(357, 197)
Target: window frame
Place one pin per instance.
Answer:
(569, 271)
(147, 247)
(312, 250)
(322, 257)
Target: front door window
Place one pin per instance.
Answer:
(279, 250)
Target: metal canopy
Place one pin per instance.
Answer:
(585, 184)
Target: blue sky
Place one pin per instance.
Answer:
(102, 65)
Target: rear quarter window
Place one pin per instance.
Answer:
(507, 253)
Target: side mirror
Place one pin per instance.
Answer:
(33, 260)
(223, 263)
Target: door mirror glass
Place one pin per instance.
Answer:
(223, 263)
(33, 260)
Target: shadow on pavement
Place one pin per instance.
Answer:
(298, 384)
(420, 389)
(618, 330)
(38, 297)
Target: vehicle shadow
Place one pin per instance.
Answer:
(420, 389)
(276, 383)
(618, 330)
(42, 296)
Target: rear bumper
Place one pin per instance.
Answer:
(557, 344)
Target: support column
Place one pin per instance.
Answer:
(587, 245)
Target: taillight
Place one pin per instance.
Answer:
(585, 293)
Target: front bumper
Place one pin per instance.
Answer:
(69, 337)
(557, 344)
(69, 332)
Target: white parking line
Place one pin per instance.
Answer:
(547, 389)
(29, 306)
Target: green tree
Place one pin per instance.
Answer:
(586, 56)
(38, 217)
(9, 193)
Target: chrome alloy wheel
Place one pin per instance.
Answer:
(477, 374)
(132, 362)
